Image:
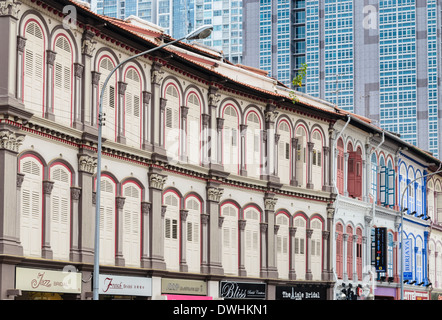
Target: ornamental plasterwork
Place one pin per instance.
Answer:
(157, 181)
(87, 164)
(269, 204)
(88, 46)
(214, 194)
(9, 7)
(10, 141)
(157, 76)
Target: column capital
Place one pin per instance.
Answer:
(157, 181)
(214, 194)
(87, 163)
(10, 140)
(47, 187)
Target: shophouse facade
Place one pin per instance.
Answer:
(212, 178)
(215, 182)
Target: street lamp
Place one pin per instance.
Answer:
(402, 229)
(200, 33)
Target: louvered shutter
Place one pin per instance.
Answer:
(109, 98)
(172, 133)
(193, 235)
(252, 145)
(283, 155)
(193, 129)
(133, 106)
(316, 241)
(62, 81)
(282, 256)
(230, 239)
(230, 140)
(171, 241)
(300, 236)
(107, 222)
(252, 262)
(60, 213)
(131, 224)
(31, 207)
(34, 69)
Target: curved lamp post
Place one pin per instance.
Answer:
(402, 228)
(200, 33)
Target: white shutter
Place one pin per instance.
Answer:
(230, 140)
(282, 255)
(131, 225)
(171, 133)
(300, 237)
(193, 235)
(31, 209)
(62, 81)
(230, 239)
(60, 212)
(107, 222)
(252, 145)
(133, 106)
(193, 129)
(33, 67)
(109, 98)
(252, 262)
(171, 241)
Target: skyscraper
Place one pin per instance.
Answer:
(377, 58)
(179, 17)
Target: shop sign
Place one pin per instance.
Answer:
(242, 290)
(381, 249)
(125, 286)
(300, 293)
(415, 295)
(408, 272)
(40, 280)
(178, 286)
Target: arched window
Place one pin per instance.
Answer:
(230, 140)
(418, 185)
(359, 253)
(253, 147)
(193, 129)
(31, 206)
(107, 221)
(316, 250)
(60, 212)
(317, 159)
(411, 191)
(340, 167)
(382, 180)
(300, 236)
(109, 98)
(390, 260)
(230, 238)
(132, 224)
(354, 174)
(34, 66)
(374, 177)
(403, 185)
(172, 118)
(430, 199)
(390, 183)
(419, 261)
(350, 252)
(193, 255)
(282, 246)
(284, 152)
(171, 231)
(63, 81)
(301, 156)
(339, 251)
(132, 115)
(252, 242)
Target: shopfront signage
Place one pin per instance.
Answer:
(125, 286)
(40, 280)
(242, 290)
(179, 286)
(415, 295)
(381, 249)
(301, 293)
(408, 271)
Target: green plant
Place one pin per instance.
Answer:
(297, 81)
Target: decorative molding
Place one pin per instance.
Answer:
(163, 210)
(87, 164)
(10, 140)
(78, 70)
(157, 76)
(50, 57)
(21, 43)
(271, 116)
(183, 214)
(205, 218)
(157, 181)
(214, 194)
(47, 187)
(20, 178)
(75, 193)
(145, 207)
(88, 46)
(220, 221)
(242, 224)
(9, 8)
(269, 203)
(120, 202)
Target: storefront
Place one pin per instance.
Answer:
(42, 284)
(113, 287)
(416, 295)
(242, 290)
(180, 289)
(301, 292)
(381, 293)
(436, 295)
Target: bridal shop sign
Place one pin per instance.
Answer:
(41, 280)
(242, 290)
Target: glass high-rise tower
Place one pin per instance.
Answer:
(376, 58)
(179, 17)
